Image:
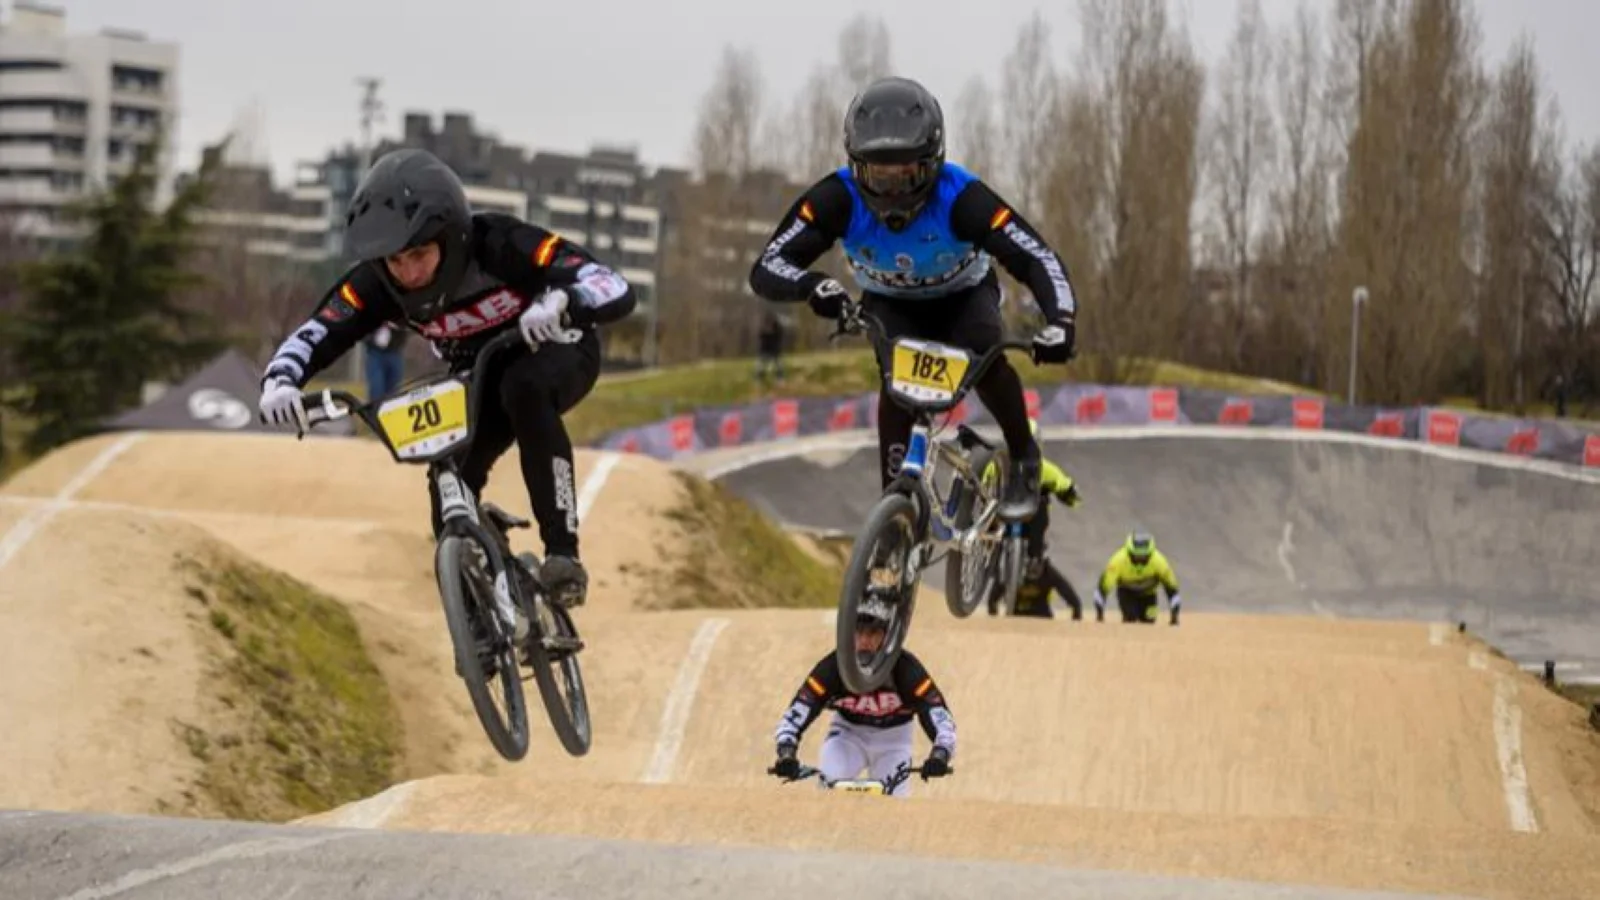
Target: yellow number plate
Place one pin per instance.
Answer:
(427, 420)
(859, 787)
(927, 371)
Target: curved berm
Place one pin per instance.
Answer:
(1289, 523)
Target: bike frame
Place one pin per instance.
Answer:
(458, 508)
(926, 455)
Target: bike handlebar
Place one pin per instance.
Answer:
(812, 772)
(320, 405)
(857, 320)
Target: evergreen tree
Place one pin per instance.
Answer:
(100, 320)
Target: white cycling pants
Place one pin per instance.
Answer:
(882, 752)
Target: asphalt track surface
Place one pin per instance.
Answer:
(1256, 524)
(75, 857)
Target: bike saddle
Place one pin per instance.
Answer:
(506, 521)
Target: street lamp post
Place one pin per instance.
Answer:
(1358, 299)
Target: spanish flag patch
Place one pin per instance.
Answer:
(1000, 218)
(349, 295)
(546, 251)
(806, 212)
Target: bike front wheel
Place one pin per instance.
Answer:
(1012, 549)
(466, 571)
(881, 566)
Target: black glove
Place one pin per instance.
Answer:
(828, 298)
(1054, 342)
(937, 765)
(1070, 496)
(787, 766)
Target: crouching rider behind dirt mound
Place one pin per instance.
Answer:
(1135, 572)
(869, 731)
(459, 279)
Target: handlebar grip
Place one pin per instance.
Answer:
(327, 405)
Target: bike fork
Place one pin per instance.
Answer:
(456, 502)
(911, 473)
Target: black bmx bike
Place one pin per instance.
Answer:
(494, 605)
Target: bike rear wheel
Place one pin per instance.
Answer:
(970, 579)
(882, 549)
(466, 590)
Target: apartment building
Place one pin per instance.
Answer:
(74, 109)
(304, 222)
(607, 201)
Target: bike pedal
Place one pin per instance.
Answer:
(562, 644)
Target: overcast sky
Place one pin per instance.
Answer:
(559, 76)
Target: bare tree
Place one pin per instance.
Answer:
(1028, 96)
(1510, 187)
(1566, 232)
(817, 127)
(1240, 151)
(729, 122)
(865, 53)
(975, 139)
(1403, 228)
(706, 309)
(1300, 205)
(1121, 191)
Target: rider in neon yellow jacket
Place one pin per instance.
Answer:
(1040, 576)
(1136, 571)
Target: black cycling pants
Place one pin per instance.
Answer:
(525, 394)
(969, 319)
(1138, 607)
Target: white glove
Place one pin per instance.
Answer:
(280, 405)
(541, 323)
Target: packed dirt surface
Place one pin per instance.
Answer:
(1293, 749)
(335, 513)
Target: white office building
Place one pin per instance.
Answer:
(73, 110)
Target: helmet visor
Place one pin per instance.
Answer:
(902, 179)
(1139, 550)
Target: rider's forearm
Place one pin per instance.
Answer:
(599, 296)
(940, 727)
(796, 719)
(342, 319)
(811, 226)
(979, 215)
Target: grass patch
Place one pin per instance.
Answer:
(737, 559)
(1585, 695)
(308, 723)
(14, 431)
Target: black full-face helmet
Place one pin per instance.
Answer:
(409, 198)
(894, 137)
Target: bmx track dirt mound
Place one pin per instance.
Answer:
(95, 530)
(1348, 753)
